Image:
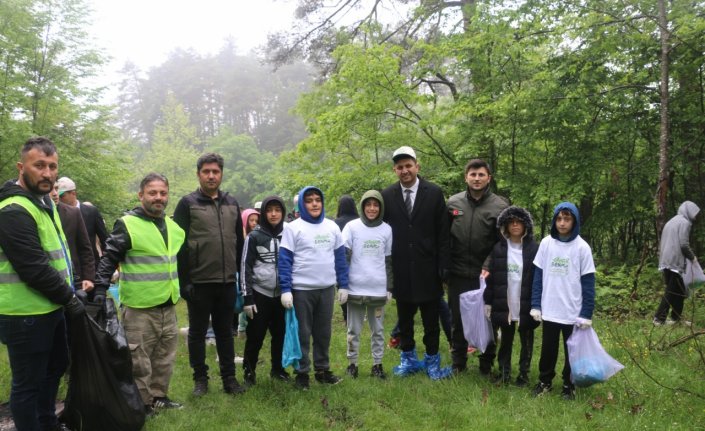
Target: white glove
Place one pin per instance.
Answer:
(536, 314)
(250, 311)
(342, 296)
(488, 311)
(287, 300)
(583, 323)
(389, 297)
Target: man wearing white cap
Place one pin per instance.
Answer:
(416, 211)
(91, 215)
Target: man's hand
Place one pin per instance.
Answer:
(484, 274)
(488, 311)
(287, 300)
(250, 311)
(75, 308)
(536, 314)
(186, 291)
(343, 296)
(87, 285)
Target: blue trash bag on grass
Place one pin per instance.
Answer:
(292, 348)
(589, 362)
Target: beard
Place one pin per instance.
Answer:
(152, 210)
(35, 187)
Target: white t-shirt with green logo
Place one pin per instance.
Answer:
(313, 246)
(563, 263)
(369, 246)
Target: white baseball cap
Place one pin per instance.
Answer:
(403, 152)
(65, 184)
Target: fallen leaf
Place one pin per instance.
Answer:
(324, 402)
(596, 405)
(588, 415)
(637, 408)
(485, 395)
(610, 397)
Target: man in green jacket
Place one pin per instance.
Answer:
(35, 282)
(473, 232)
(144, 243)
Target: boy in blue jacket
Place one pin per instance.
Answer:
(311, 261)
(563, 293)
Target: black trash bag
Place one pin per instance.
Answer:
(102, 395)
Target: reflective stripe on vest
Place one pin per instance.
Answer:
(16, 297)
(148, 275)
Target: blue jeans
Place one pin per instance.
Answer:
(38, 353)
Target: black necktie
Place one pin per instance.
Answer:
(407, 201)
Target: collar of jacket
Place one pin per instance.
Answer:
(205, 198)
(485, 193)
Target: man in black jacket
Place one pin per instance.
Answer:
(415, 209)
(208, 265)
(35, 282)
(92, 218)
(473, 232)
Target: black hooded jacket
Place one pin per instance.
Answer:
(496, 291)
(347, 211)
(19, 239)
(260, 256)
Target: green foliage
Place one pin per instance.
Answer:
(248, 172)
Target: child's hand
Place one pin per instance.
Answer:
(342, 296)
(536, 314)
(287, 300)
(583, 323)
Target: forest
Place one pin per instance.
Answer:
(601, 102)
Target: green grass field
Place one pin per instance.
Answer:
(630, 400)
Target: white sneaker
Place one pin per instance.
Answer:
(657, 322)
(239, 359)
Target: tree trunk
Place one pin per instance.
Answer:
(662, 189)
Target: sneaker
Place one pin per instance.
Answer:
(232, 386)
(568, 392)
(378, 371)
(149, 411)
(542, 388)
(325, 376)
(683, 322)
(522, 380)
(670, 322)
(394, 342)
(301, 382)
(657, 322)
(161, 403)
(352, 371)
(250, 377)
(200, 387)
(280, 374)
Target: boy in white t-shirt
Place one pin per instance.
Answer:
(368, 242)
(563, 293)
(311, 261)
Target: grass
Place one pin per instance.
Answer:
(628, 401)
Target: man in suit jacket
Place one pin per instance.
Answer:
(79, 244)
(95, 226)
(415, 209)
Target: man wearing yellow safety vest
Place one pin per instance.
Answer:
(144, 244)
(35, 282)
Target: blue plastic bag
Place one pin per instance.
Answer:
(477, 328)
(239, 299)
(115, 293)
(589, 362)
(292, 348)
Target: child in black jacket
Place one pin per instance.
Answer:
(508, 293)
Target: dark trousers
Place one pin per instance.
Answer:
(673, 297)
(504, 356)
(459, 345)
(214, 302)
(443, 316)
(38, 354)
(269, 316)
(549, 352)
(429, 317)
(314, 311)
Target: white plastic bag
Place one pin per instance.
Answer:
(589, 362)
(476, 327)
(694, 276)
